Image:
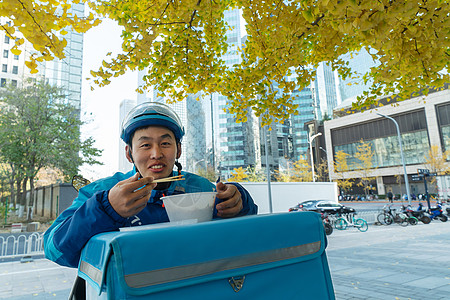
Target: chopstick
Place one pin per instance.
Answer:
(168, 179)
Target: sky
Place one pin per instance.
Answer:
(100, 108)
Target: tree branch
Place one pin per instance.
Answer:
(37, 24)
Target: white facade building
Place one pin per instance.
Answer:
(423, 121)
(65, 73)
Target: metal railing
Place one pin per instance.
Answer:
(369, 215)
(21, 245)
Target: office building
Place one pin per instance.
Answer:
(125, 107)
(195, 138)
(191, 112)
(235, 144)
(352, 87)
(13, 66)
(289, 141)
(65, 73)
(325, 91)
(423, 122)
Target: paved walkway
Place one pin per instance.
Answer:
(386, 262)
(40, 279)
(391, 262)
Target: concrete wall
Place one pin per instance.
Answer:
(289, 194)
(67, 193)
(49, 201)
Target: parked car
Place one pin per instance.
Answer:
(327, 206)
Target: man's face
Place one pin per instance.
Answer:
(154, 150)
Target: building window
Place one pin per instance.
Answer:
(6, 39)
(15, 70)
(408, 122)
(16, 57)
(4, 68)
(14, 83)
(386, 151)
(5, 53)
(3, 82)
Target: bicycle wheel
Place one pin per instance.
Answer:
(384, 219)
(340, 224)
(402, 219)
(413, 220)
(328, 228)
(361, 224)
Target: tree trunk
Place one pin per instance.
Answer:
(12, 191)
(19, 197)
(21, 192)
(18, 191)
(30, 202)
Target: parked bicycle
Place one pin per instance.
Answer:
(390, 215)
(327, 224)
(343, 223)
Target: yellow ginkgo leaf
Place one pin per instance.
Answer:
(14, 50)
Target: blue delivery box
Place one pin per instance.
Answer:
(274, 256)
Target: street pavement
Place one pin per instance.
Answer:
(391, 262)
(386, 262)
(39, 279)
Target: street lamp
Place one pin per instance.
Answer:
(403, 157)
(325, 156)
(269, 189)
(311, 138)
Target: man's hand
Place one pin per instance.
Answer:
(231, 203)
(130, 196)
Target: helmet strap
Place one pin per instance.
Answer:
(179, 166)
(132, 160)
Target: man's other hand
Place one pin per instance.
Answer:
(231, 203)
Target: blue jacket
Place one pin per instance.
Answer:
(91, 214)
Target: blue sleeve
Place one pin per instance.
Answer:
(249, 206)
(88, 216)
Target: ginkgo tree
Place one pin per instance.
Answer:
(181, 43)
(365, 166)
(340, 168)
(297, 171)
(43, 24)
(436, 161)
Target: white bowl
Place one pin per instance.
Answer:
(190, 206)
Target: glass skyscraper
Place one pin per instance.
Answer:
(361, 62)
(125, 107)
(289, 141)
(236, 144)
(326, 93)
(192, 115)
